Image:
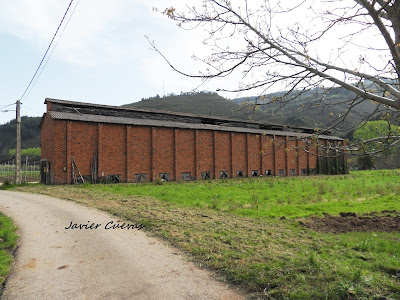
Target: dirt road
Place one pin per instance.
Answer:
(92, 259)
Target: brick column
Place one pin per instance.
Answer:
(214, 155)
(152, 153)
(99, 150)
(175, 164)
(127, 153)
(197, 174)
(248, 172)
(274, 156)
(286, 158)
(68, 160)
(231, 152)
(261, 155)
(308, 158)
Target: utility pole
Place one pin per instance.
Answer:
(18, 179)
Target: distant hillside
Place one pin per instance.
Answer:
(30, 135)
(308, 111)
(204, 103)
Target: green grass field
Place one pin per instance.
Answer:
(8, 242)
(234, 227)
(275, 197)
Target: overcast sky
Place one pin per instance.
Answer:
(102, 56)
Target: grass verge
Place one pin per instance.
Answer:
(8, 243)
(250, 245)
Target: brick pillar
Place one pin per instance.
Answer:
(68, 160)
(261, 155)
(175, 164)
(308, 157)
(274, 156)
(99, 150)
(152, 153)
(214, 154)
(128, 167)
(231, 152)
(197, 174)
(248, 172)
(286, 157)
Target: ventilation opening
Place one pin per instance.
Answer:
(268, 172)
(186, 176)
(239, 174)
(254, 173)
(205, 175)
(303, 171)
(114, 178)
(292, 172)
(281, 172)
(223, 174)
(140, 178)
(164, 177)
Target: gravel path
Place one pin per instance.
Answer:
(57, 263)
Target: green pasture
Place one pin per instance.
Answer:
(275, 197)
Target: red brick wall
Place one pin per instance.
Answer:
(112, 150)
(267, 152)
(254, 153)
(280, 154)
(82, 145)
(205, 152)
(163, 152)
(130, 150)
(302, 153)
(185, 144)
(313, 157)
(139, 152)
(222, 153)
(291, 151)
(239, 153)
(60, 148)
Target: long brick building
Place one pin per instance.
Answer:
(82, 141)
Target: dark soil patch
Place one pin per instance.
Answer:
(349, 222)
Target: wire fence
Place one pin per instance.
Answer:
(30, 170)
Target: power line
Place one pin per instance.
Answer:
(7, 105)
(51, 53)
(48, 48)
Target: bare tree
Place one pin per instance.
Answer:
(283, 45)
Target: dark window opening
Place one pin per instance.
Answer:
(114, 178)
(186, 176)
(140, 178)
(164, 177)
(239, 174)
(303, 171)
(254, 173)
(205, 175)
(223, 174)
(268, 172)
(281, 172)
(313, 171)
(292, 172)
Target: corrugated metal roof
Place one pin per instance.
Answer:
(171, 124)
(153, 111)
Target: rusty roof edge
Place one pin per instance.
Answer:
(85, 104)
(173, 124)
